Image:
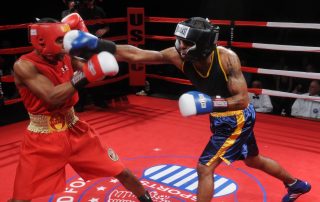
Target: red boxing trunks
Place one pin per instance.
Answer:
(52, 142)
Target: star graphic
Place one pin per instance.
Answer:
(94, 200)
(101, 188)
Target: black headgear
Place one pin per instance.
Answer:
(201, 33)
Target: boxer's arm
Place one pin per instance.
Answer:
(133, 54)
(27, 75)
(85, 45)
(236, 82)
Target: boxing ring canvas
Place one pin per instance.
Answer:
(161, 147)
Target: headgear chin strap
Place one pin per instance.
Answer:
(43, 37)
(201, 33)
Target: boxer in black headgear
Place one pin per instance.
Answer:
(222, 93)
(200, 33)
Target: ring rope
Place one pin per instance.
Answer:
(308, 75)
(286, 94)
(12, 101)
(108, 80)
(278, 24)
(281, 47)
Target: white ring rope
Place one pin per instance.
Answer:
(285, 47)
(308, 75)
(275, 24)
(293, 25)
(289, 95)
(298, 74)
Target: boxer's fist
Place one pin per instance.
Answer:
(75, 42)
(194, 103)
(75, 22)
(97, 67)
(83, 44)
(100, 65)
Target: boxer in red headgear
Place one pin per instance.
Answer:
(55, 136)
(42, 35)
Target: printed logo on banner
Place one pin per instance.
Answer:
(136, 37)
(165, 183)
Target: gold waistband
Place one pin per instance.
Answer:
(55, 122)
(228, 113)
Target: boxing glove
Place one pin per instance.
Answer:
(95, 69)
(83, 44)
(75, 22)
(194, 103)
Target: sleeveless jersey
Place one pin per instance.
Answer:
(59, 73)
(214, 83)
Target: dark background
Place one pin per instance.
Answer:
(272, 11)
(282, 10)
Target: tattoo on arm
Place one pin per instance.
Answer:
(236, 84)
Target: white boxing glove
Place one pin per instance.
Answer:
(194, 103)
(97, 67)
(100, 65)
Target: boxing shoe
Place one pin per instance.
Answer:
(296, 190)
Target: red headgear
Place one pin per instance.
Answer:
(43, 36)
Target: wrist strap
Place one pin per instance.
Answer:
(79, 80)
(102, 45)
(220, 105)
(106, 45)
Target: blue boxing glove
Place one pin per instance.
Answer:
(194, 103)
(83, 44)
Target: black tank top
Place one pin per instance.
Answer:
(212, 84)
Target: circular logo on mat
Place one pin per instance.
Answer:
(165, 182)
(113, 156)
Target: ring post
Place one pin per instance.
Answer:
(136, 37)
